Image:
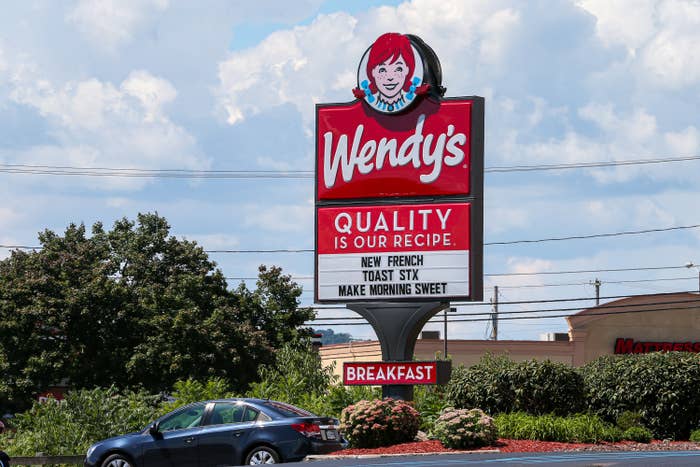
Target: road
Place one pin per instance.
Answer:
(570, 459)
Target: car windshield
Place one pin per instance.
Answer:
(287, 410)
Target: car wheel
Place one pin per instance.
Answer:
(116, 460)
(262, 455)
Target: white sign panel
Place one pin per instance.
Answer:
(397, 251)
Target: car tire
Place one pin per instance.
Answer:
(4, 460)
(262, 455)
(116, 460)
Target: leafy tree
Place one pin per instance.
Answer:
(134, 306)
(328, 336)
(273, 307)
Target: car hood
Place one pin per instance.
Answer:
(116, 439)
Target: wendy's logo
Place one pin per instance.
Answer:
(395, 71)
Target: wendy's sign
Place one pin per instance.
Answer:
(399, 174)
(425, 151)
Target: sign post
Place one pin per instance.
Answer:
(397, 326)
(399, 197)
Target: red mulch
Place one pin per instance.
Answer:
(522, 445)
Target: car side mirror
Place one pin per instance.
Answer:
(154, 429)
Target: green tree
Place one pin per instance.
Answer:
(273, 307)
(328, 336)
(134, 306)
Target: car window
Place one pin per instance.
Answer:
(250, 415)
(227, 412)
(288, 410)
(187, 418)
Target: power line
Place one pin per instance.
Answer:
(126, 172)
(151, 173)
(535, 302)
(581, 237)
(530, 312)
(575, 299)
(583, 271)
(658, 279)
(587, 165)
(511, 242)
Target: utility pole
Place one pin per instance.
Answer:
(444, 340)
(692, 265)
(444, 343)
(597, 283)
(494, 315)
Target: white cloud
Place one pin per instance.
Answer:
(619, 22)
(661, 37)
(621, 136)
(98, 124)
(215, 241)
(280, 218)
(8, 217)
(287, 67)
(3, 63)
(153, 92)
(112, 23)
(685, 142)
(317, 63)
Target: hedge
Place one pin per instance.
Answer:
(661, 386)
(497, 385)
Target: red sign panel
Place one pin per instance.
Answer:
(362, 153)
(624, 346)
(381, 373)
(396, 228)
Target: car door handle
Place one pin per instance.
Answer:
(189, 440)
(237, 433)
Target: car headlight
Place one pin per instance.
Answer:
(91, 449)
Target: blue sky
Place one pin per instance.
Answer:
(231, 85)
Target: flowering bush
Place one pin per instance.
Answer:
(464, 428)
(370, 424)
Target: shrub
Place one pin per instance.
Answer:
(629, 419)
(462, 428)
(430, 402)
(190, 390)
(369, 424)
(580, 428)
(657, 385)
(85, 416)
(486, 384)
(498, 385)
(297, 377)
(543, 387)
(695, 436)
(638, 434)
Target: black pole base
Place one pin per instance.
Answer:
(397, 326)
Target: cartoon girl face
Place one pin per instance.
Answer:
(390, 78)
(389, 73)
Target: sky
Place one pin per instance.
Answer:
(232, 85)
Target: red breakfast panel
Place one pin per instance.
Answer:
(381, 373)
(393, 228)
(364, 154)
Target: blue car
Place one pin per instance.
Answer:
(222, 433)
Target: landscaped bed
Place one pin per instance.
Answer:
(519, 445)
